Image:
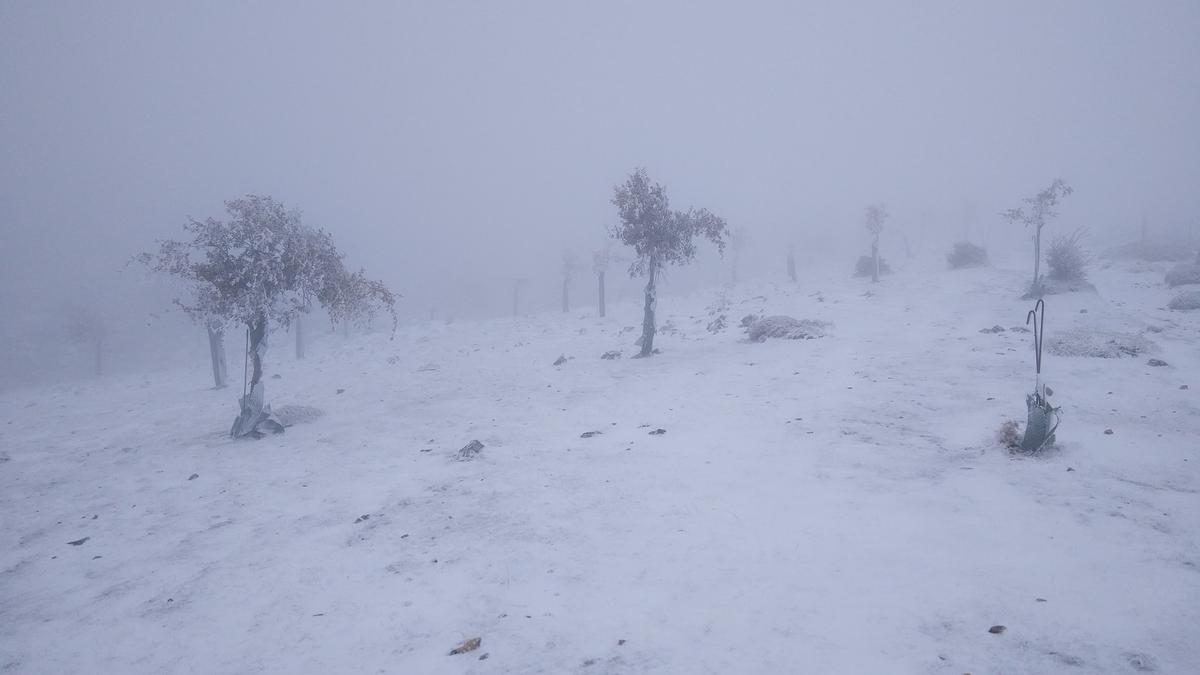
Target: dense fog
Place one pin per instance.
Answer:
(452, 148)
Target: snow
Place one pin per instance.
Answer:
(834, 505)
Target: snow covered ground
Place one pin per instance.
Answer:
(835, 505)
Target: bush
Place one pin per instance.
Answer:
(1182, 274)
(1066, 259)
(966, 254)
(786, 327)
(866, 266)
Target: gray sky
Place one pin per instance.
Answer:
(477, 140)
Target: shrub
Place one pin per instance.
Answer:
(1066, 259)
(966, 254)
(865, 266)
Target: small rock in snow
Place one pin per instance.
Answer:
(276, 376)
(365, 516)
(1158, 363)
(78, 542)
(470, 450)
(1183, 386)
(341, 391)
(560, 360)
(993, 329)
(997, 629)
(658, 432)
(589, 434)
(193, 476)
(611, 355)
(468, 646)
(1108, 432)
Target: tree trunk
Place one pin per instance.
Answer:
(1037, 256)
(600, 277)
(255, 419)
(216, 351)
(258, 333)
(648, 319)
(875, 259)
(299, 337)
(791, 266)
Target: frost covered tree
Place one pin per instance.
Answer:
(1034, 212)
(876, 214)
(259, 268)
(659, 237)
(215, 328)
(86, 327)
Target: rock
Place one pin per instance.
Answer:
(78, 542)
(341, 391)
(365, 516)
(611, 355)
(997, 629)
(468, 646)
(276, 376)
(1158, 363)
(780, 326)
(1183, 387)
(658, 432)
(1108, 432)
(560, 360)
(470, 451)
(993, 329)
(1083, 311)
(193, 476)
(589, 434)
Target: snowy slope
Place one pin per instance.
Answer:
(835, 505)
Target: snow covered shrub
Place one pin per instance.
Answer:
(1185, 300)
(1066, 259)
(1183, 274)
(780, 326)
(1009, 435)
(966, 254)
(1097, 344)
(865, 267)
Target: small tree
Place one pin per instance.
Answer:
(876, 214)
(86, 327)
(659, 237)
(1034, 212)
(264, 267)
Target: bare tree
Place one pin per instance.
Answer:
(1034, 212)
(570, 264)
(876, 214)
(659, 237)
(737, 242)
(263, 267)
(86, 327)
(601, 259)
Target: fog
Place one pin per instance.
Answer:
(451, 148)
